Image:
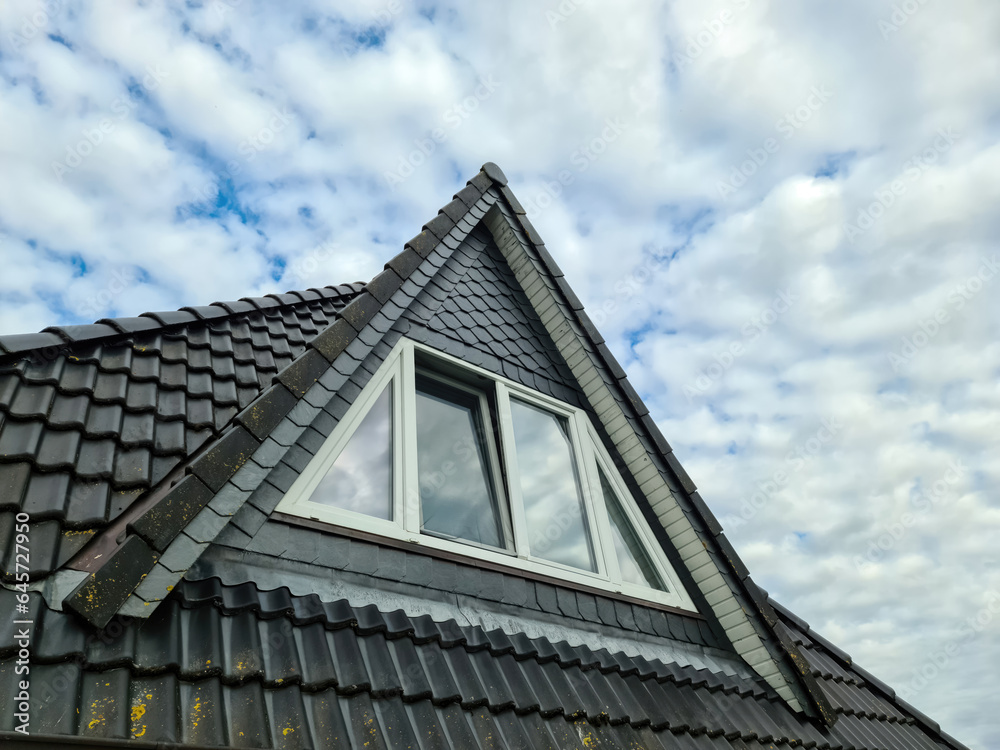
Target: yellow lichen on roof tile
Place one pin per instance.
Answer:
(97, 711)
(138, 711)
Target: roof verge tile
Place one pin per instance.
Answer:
(161, 523)
(334, 339)
(423, 244)
(384, 285)
(440, 225)
(300, 375)
(405, 263)
(101, 594)
(361, 310)
(266, 411)
(222, 460)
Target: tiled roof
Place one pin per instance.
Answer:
(224, 665)
(94, 416)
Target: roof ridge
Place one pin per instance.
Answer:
(53, 339)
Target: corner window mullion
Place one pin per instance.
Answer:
(602, 523)
(503, 499)
(514, 495)
(408, 493)
(598, 533)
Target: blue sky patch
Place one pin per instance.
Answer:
(835, 165)
(60, 40)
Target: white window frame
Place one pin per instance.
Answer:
(493, 457)
(398, 373)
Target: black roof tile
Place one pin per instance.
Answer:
(69, 411)
(141, 396)
(44, 370)
(132, 467)
(57, 449)
(32, 401)
(137, 429)
(163, 521)
(102, 593)
(19, 439)
(89, 506)
(145, 367)
(169, 437)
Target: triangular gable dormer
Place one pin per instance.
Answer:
(410, 342)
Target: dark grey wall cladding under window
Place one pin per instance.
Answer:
(376, 566)
(489, 315)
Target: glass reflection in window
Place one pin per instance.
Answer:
(550, 487)
(360, 480)
(635, 565)
(457, 495)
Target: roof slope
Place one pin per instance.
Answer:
(136, 565)
(92, 417)
(271, 669)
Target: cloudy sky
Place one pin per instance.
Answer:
(782, 215)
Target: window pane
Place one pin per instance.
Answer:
(457, 498)
(361, 477)
(553, 503)
(635, 564)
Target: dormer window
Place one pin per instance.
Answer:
(441, 454)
